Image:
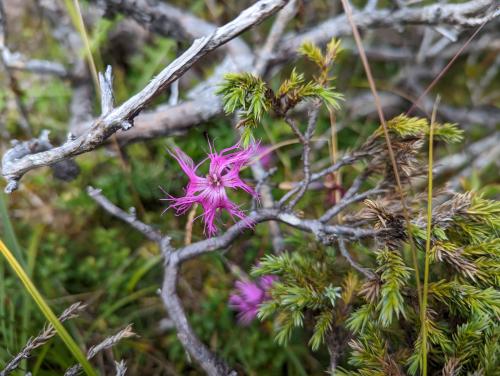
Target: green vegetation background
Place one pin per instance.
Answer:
(74, 251)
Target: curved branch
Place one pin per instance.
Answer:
(343, 250)
(319, 229)
(168, 20)
(130, 218)
(16, 61)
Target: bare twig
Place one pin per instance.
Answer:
(450, 63)
(323, 232)
(64, 170)
(121, 368)
(16, 61)
(454, 162)
(311, 126)
(208, 361)
(348, 200)
(295, 128)
(159, 17)
(261, 182)
(346, 160)
(129, 218)
(106, 88)
(343, 250)
(267, 200)
(173, 259)
(487, 157)
(168, 20)
(168, 120)
(203, 104)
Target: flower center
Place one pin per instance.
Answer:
(214, 180)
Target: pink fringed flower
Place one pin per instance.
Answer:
(210, 191)
(265, 155)
(249, 296)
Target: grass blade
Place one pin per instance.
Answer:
(423, 307)
(50, 316)
(12, 242)
(73, 7)
(10, 235)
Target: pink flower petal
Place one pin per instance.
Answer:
(210, 191)
(248, 296)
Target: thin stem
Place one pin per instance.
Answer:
(337, 176)
(348, 159)
(189, 225)
(295, 129)
(211, 364)
(423, 307)
(311, 126)
(346, 201)
(343, 250)
(130, 218)
(446, 68)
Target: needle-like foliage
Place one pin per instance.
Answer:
(253, 97)
(306, 287)
(463, 306)
(382, 324)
